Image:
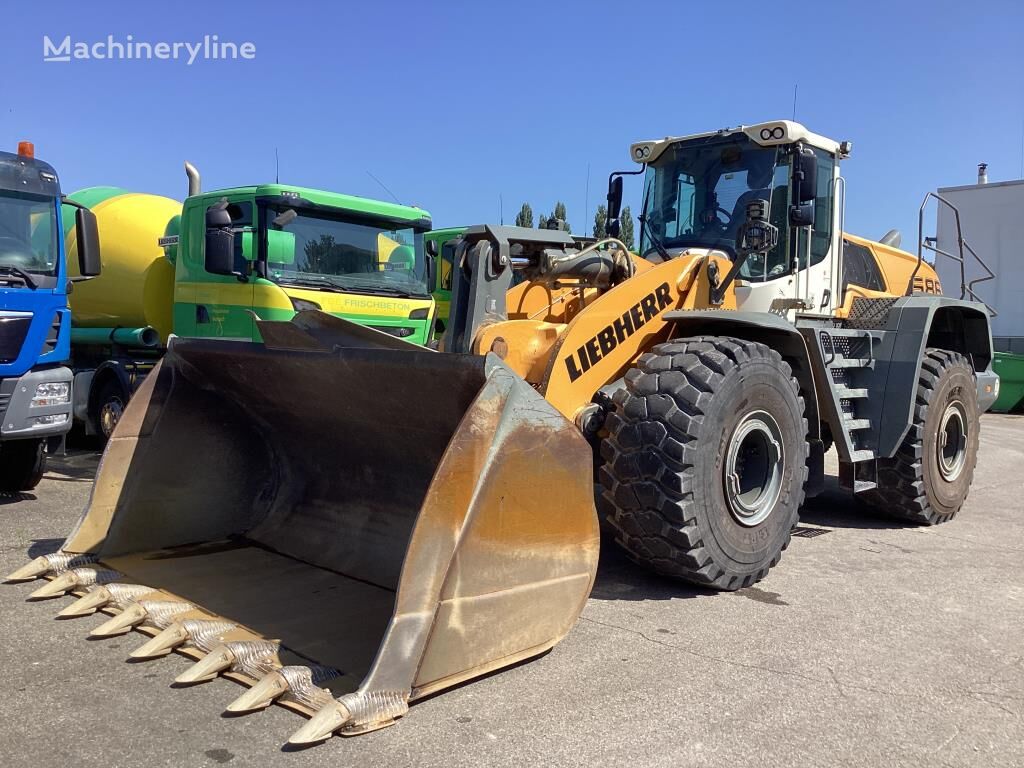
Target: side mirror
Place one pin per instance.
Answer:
(614, 197)
(88, 238)
(219, 245)
(805, 175)
(219, 258)
(805, 188)
(802, 215)
(432, 268)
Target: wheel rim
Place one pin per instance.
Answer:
(754, 468)
(110, 414)
(951, 441)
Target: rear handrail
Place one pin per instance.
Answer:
(966, 288)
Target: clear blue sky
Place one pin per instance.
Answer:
(452, 104)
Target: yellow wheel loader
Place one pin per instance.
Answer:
(345, 522)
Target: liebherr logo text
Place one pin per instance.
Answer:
(210, 48)
(609, 337)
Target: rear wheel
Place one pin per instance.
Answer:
(109, 406)
(22, 464)
(928, 479)
(705, 460)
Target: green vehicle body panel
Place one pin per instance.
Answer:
(441, 290)
(228, 304)
(1010, 368)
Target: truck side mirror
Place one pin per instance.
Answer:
(805, 175)
(432, 270)
(219, 245)
(88, 239)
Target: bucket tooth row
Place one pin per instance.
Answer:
(300, 683)
(74, 579)
(159, 613)
(202, 633)
(52, 564)
(106, 597)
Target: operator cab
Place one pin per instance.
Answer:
(698, 191)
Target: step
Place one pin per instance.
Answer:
(849, 333)
(863, 454)
(849, 362)
(850, 393)
(859, 486)
(852, 424)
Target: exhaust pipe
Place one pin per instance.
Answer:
(194, 187)
(983, 173)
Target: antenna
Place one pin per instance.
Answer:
(277, 167)
(586, 201)
(501, 210)
(382, 186)
(795, 87)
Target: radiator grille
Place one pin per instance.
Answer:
(13, 331)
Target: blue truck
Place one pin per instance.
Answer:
(35, 323)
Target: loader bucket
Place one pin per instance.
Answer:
(341, 525)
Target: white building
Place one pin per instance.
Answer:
(992, 220)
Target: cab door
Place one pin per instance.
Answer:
(223, 303)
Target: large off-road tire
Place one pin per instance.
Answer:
(705, 460)
(929, 477)
(22, 464)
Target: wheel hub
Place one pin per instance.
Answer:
(754, 468)
(110, 414)
(951, 448)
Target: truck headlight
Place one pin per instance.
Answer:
(53, 418)
(51, 393)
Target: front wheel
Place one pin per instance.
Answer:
(928, 479)
(22, 464)
(706, 460)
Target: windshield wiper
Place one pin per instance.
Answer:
(21, 274)
(658, 245)
(325, 283)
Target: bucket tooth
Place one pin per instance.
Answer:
(115, 594)
(130, 617)
(158, 612)
(73, 579)
(322, 725)
(300, 683)
(87, 604)
(56, 562)
(180, 632)
(207, 668)
(228, 656)
(261, 695)
(161, 644)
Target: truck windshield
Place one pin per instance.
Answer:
(696, 195)
(28, 233)
(352, 255)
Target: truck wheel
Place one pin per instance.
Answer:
(929, 477)
(22, 464)
(110, 404)
(705, 460)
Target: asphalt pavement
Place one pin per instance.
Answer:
(873, 643)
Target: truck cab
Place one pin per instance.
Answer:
(35, 324)
(272, 250)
